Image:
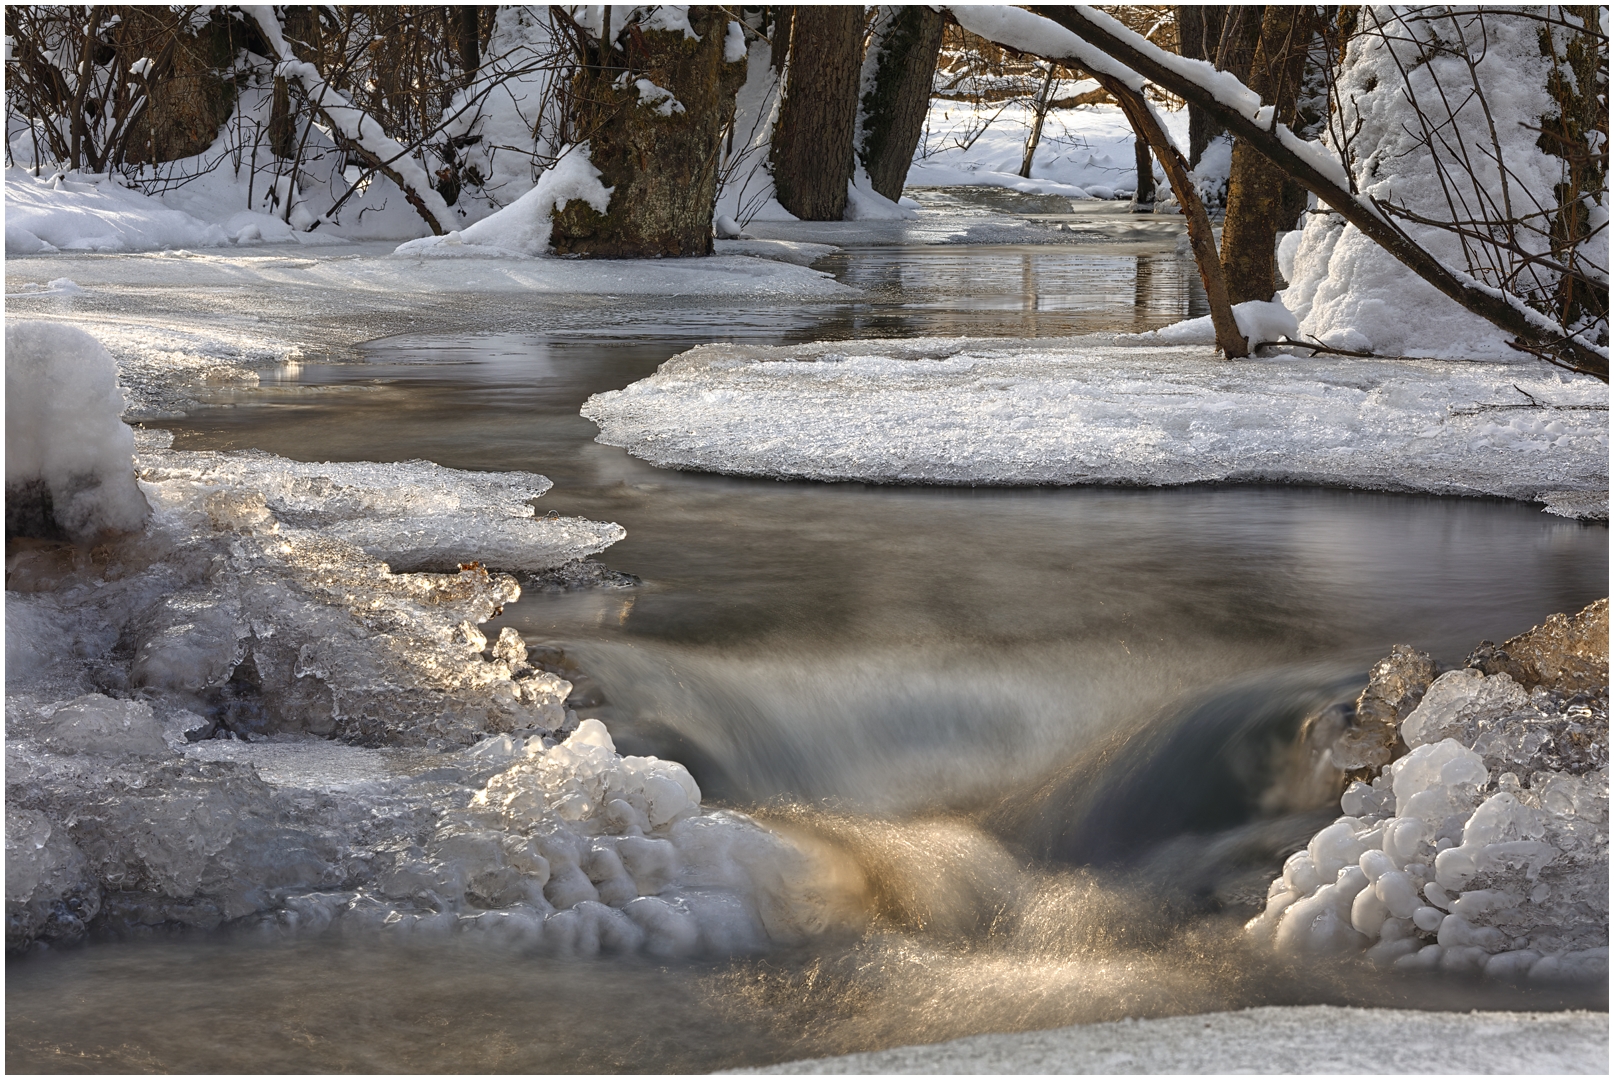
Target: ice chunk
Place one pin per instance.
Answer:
(97, 724)
(69, 456)
(1457, 702)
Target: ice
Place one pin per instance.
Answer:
(69, 456)
(414, 514)
(97, 724)
(1489, 857)
(1085, 411)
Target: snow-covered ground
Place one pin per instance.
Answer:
(1090, 411)
(1086, 152)
(1266, 1040)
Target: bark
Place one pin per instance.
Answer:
(1143, 195)
(466, 20)
(1241, 34)
(282, 122)
(1496, 309)
(663, 168)
(1199, 32)
(812, 143)
(1041, 114)
(894, 107)
(1256, 203)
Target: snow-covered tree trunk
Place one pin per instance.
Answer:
(1199, 31)
(897, 76)
(812, 145)
(654, 117)
(1255, 186)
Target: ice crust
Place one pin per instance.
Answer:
(1483, 849)
(250, 712)
(1085, 411)
(68, 452)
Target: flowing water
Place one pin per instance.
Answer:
(1052, 730)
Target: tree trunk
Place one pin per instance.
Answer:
(1256, 203)
(812, 144)
(660, 154)
(466, 20)
(906, 44)
(1143, 195)
(1040, 114)
(1199, 31)
(1200, 237)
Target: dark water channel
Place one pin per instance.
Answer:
(930, 678)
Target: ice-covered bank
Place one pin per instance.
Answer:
(1310, 1039)
(1475, 839)
(256, 704)
(1089, 411)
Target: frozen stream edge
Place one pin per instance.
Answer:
(1293, 1039)
(1086, 410)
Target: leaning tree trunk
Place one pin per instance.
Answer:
(812, 143)
(1256, 199)
(655, 133)
(896, 94)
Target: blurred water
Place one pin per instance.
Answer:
(1038, 723)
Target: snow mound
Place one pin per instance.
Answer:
(1483, 850)
(1258, 320)
(69, 456)
(1084, 411)
(523, 227)
(81, 213)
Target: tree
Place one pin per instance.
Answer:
(1199, 34)
(653, 104)
(897, 76)
(812, 144)
(1256, 207)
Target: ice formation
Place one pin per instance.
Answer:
(271, 704)
(1483, 848)
(1084, 411)
(68, 452)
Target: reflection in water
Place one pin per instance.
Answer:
(1047, 736)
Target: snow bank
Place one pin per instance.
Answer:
(523, 227)
(69, 456)
(1086, 152)
(1345, 289)
(1084, 411)
(1483, 850)
(59, 213)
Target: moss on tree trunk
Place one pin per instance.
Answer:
(894, 107)
(812, 144)
(659, 153)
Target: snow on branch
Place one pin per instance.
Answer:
(353, 125)
(1078, 33)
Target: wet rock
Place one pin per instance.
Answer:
(1395, 686)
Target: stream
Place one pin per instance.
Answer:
(1053, 728)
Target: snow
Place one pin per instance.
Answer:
(1258, 320)
(523, 227)
(1274, 1040)
(1085, 152)
(1087, 411)
(1345, 289)
(745, 181)
(64, 433)
(75, 214)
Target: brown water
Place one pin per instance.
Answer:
(895, 673)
